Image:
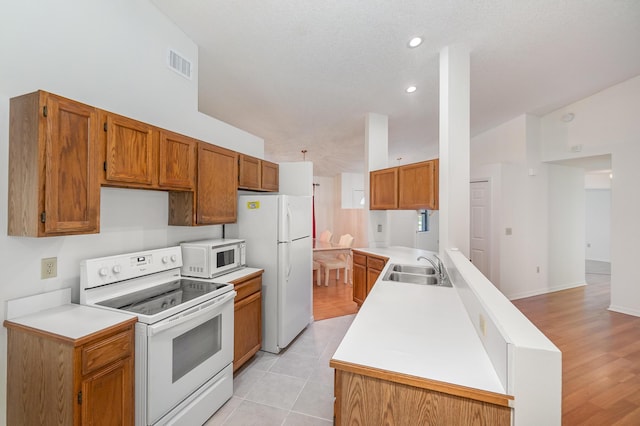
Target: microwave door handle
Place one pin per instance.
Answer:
(189, 316)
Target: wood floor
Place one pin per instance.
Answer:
(600, 353)
(335, 300)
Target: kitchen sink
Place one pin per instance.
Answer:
(413, 269)
(425, 279)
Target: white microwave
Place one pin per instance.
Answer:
(211, 258)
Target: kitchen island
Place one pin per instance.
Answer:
(424, 354)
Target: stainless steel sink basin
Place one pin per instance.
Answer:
(413, 269)
(425, 279)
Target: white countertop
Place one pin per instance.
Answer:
(236, 275)
(72, 321)
(419, 330)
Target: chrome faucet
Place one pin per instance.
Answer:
(439, 267)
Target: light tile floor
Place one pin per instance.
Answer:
(293, 388)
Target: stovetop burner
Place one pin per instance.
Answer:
(151, 301)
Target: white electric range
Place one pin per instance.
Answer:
(184, 334)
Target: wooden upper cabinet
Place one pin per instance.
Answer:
(256, 174)
(410, 187)
(418, 186)
(177, 161)
(130, 151)
(249, 172)
(270, 176)
(53, 182)
(383, 189)
(217, 192)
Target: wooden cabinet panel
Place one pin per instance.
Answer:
(418, 186)
(256, 174)
(53, 378)
(217, 192)
(249, 172)
(270, 176)
(53, 183)
(130, 151)
(369, 400)
(410, 187)
(383, 189)
(359, 283)
(366, 270)
(106, 395)
(176, 161)
(247, 335)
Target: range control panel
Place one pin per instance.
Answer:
(111, 269)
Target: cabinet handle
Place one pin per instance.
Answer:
(104, 126)
(80, 397)
(44, 111)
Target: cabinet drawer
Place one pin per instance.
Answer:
(247, 288)
(359, 259)
(376, 263)
(104, 352)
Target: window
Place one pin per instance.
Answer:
(423, 220)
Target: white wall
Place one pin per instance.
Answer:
(430, 239)
(507, 156)
(566, 227)
(110, 54)
(607, 122)
(324, 204)
(598, 224)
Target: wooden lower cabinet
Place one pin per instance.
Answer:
(247, 318)
(61, 381)
(366, 396)
(366, 270)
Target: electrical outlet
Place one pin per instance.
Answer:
(483, 326)
(48, 267)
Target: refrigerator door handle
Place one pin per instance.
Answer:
(289, 216)
(288, 261)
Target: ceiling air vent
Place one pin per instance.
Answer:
(179, 64)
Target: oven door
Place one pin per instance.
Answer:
(186, 350)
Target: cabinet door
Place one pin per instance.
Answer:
(270, 176)
(249, 170)
(176, 161)
(383, 189)
(217, 200)
(107, 395)
(247, 329)
(130, 151)
(359, 283)
(71, 189)
(418, 185)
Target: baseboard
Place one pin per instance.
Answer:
(538, 292)
(623, 310)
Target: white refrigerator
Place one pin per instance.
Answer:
(277, 229)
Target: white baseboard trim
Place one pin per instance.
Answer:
(623, 310)
(538, 292)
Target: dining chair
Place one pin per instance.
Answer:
(339, 261)
(316, 267)
(325, 236)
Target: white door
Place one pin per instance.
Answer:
(481, 226)
(294, 292)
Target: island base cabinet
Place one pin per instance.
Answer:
(364, 400)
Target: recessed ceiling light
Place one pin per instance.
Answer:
(411, 89)
(415, 42)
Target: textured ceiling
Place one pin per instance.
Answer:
(303, 74)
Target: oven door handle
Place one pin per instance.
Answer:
(191, 314)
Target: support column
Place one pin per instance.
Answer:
(376, 154)
(454, 148)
